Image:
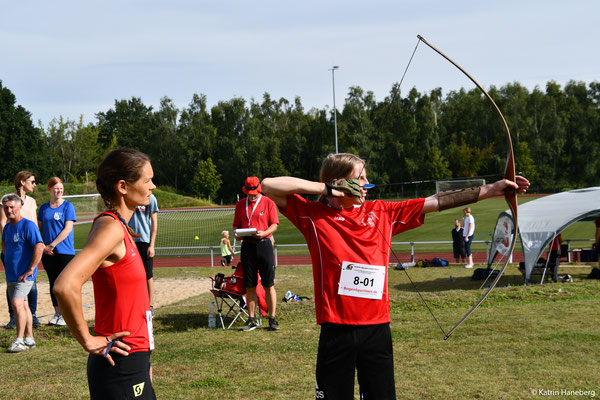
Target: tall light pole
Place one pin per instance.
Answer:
(332, 69)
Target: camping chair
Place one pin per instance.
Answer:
(230, 298)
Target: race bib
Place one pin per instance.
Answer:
(361, 280)
(150, 330)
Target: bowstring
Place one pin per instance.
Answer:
(394, 94)
(392, 252)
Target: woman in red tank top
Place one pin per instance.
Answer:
(123, 324)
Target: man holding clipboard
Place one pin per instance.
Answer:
(254, 222)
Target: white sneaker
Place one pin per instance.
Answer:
(16, 347)
(54, 318)
(469, 266)
(30, 344)
(60, 321)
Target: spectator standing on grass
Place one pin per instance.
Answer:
(22, 247)
(259, 212)
(458, 242)
(226, 249)
(348, 239)
(468, 232)
(144, 222)
(119, 362)
(56, 219)
(24, 183)
(554, 247)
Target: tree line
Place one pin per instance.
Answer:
(406, 137)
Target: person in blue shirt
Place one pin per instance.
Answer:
(24, 183)
(22, 247)
(144, 222)
(56, 219)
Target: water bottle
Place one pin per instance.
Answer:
(212, 315)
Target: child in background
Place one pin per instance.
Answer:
(226, 249)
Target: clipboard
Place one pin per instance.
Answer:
(245, 232)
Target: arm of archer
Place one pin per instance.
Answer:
(444, 200)
(277, 189)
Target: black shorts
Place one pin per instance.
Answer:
(227, 258)
(129, 378)
(257, 257)
(148, 262)
(346, 348)
(459, 252)
(53, 265)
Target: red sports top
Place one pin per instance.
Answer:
(121, 295)
(259, 214)
(555, 244)
(357, 235)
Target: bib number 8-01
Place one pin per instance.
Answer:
(364, 282)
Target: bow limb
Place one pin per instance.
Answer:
(510, 194)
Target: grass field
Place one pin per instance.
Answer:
(521, 340)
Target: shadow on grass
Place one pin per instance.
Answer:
(466, 283)
(180, 322)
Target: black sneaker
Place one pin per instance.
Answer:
(11, 324)
(36, 322)
(273, 325)
(251, 324)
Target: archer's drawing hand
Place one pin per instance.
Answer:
(344, 187)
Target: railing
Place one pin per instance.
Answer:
(215, 251)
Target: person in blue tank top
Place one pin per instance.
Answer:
(56, 219)
(144, 222)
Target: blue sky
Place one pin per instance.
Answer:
(72, 58)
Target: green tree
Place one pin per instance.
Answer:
(73, 148)
(167, 149)
(207, 180)
(21, 142)
(130, 122)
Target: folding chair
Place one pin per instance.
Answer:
(230, 297)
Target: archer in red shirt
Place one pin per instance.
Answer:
(348, 239)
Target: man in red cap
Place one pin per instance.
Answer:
(259, 212)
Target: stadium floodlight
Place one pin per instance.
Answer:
(332, 69)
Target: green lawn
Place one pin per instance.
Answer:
(522, 339)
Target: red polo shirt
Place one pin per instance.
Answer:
(260, 214)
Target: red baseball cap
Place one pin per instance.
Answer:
(252, 185)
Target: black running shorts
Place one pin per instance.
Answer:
(344, 349)
(148, 262)
(257, 257)
(129, 378)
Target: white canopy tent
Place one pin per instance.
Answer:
(542, 219)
